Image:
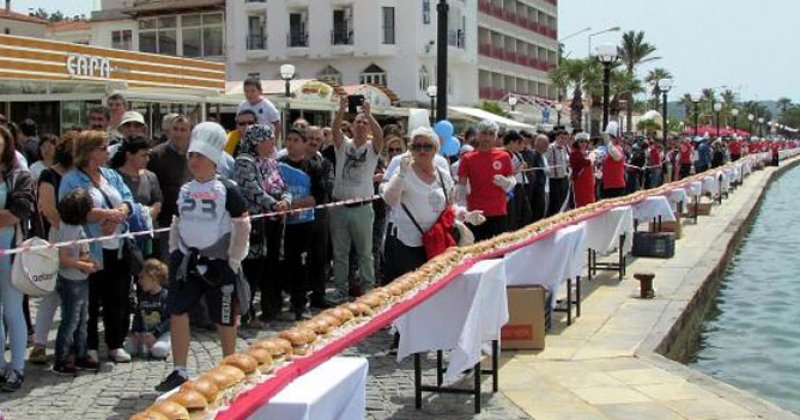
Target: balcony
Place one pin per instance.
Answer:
(456, 38)
(342, 37)
(256, 42)
(516, 19)
(297, 39)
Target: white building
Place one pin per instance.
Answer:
(384, 42)
(72, 31)
(13, 23)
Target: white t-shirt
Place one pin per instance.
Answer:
(265, 111)
(438, 160)
(36, 169)
(115, 199)
(424, 201)
(67, 233)
(205, 210)
(354, 170)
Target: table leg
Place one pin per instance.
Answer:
(569, 301)
(495, 367)
(659, 223)
(578, 297)
(696, 207)
(589, 264)
(621, 261)
(439, 367)
(417, 382)
(477, 389)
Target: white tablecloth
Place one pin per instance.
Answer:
(652, 207)
(550, 261)
(695, 188)
(678, 195)
(711, 185)
(334, 390)
(467, 312)
(603, 232)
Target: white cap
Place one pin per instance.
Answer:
(130, 117)
(612, 129)
(208, 139)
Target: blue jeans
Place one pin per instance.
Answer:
(74, 296)
(14, 327)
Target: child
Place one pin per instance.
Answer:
(72, 285)
(208, 240)
(150, 330)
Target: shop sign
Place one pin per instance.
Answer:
(314, 91)
(88, 66)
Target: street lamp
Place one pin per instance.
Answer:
(559, 107)
(287, 74)
(695, 97)
(432, 90)
(761, 127)
(717, 109)
(664, 85)
(607, 55)
(751, 117)
(614, 29)
(734, 114)
(442, 12)
(512, 102)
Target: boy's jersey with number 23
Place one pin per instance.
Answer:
(206, 209)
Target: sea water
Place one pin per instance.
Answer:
(751, 338)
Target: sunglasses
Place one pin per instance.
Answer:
(395, 150)
(244, 123)
(422, 147)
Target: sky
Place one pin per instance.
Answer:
(748, 45)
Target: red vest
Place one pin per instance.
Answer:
(613, 171)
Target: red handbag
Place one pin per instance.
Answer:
(443, 234)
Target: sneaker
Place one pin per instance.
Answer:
(13, 381)
(174, 380)
(87, 363)
(336, 298)
(255, 324)
(38, 355)
(119, 356)
(93, 354)
(301, 315)
(65, 369)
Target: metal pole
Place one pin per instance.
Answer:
(442, 10)
(664, 127)
(433, 109)
(696, 118)
(717, 123)
(606, 92)
(287, 110)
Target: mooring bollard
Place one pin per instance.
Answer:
(646, 290)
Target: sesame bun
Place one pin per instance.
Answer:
(319, 326)
(191, 400)
(243, 362)
(204, 386)
(149, 415)
(300, 337)
(340, 312)
(396, 290)
(373, 301)
(263, 357)
(171, 410)
(359, 309)
(224, 376)
(331, 320)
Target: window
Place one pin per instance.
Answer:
(424, 79)
(254, 75)
(122, 40)
(426, 12)
(298, 36)
(158, 35)
(373, 75)
(342, 27)
(256, 33)
(202, 35)
(388, 25)
(330, 75)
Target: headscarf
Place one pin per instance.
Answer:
(255, 135)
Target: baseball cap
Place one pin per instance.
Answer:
(131, 117)
(208, 139)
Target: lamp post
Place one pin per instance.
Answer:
(751, 117)
(287, 74)
(664, 85)
(432, 90)
(735, 115)
(512, 102)
(761, 127)
(696, 101)
(559, 107)
(442, 10)
(607, 54)
(717, 109)
(614, 29)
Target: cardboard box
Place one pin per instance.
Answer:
(526, 309)
(703, 209)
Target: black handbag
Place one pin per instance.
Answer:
(132, 255)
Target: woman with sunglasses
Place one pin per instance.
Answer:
(418, 193)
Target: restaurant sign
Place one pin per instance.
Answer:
(88, 66)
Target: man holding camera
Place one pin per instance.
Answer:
(351, 224)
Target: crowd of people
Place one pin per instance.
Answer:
(203, 182)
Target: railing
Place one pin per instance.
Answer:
(499, 53)
(297, 39)
(456, 38)
(523, 22)
(257, 42)
(341, 37)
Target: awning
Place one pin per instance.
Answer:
(150, 7)
(479, 114)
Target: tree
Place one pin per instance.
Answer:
(579, 75)
(634, 51)
(652, 78)
(688, 108)
(784, 104)
(494, 108)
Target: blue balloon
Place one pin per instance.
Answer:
(450, 147)
(444, 129)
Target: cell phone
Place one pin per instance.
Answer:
(353, 102)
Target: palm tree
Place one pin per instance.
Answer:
(784, 104)
(652, 78)
(579, 75)
(634, 51)
(688, 107)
